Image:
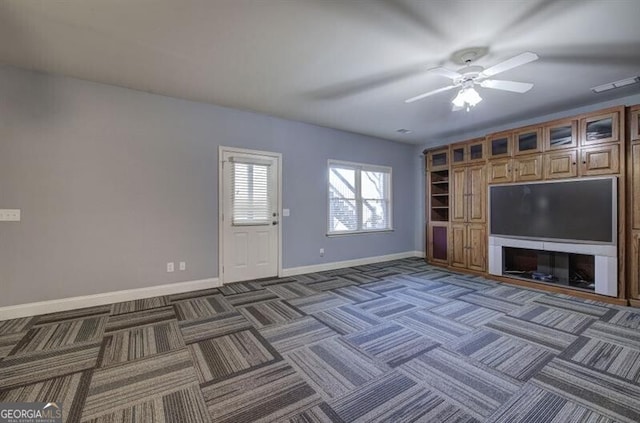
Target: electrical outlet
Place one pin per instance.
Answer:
(321, 252)
(170, 267)
(10, 215)
(183, 265)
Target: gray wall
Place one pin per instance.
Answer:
(113, 183)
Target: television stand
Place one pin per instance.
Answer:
(590, 267)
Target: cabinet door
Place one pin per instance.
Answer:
(527, 140)
(499, 171)
(477, 240)
(634, 287)
(528, 168)
(437, 243)
(476, 151)
(561, 164)
(458, 245)
(459, 195)
(561, 134)
(635, 184)
(600, 128)
(634, 116)
(476, 184)
(500, 145)
(439, 159)
(602, 160)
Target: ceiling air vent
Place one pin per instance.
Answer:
(617, 84)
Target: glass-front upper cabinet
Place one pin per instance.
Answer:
(601, 127)
(458, 153)
(561, 134)
(528, 140)
(500, 144)
(438, 159)
(476, 151)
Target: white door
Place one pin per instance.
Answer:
(250, 219)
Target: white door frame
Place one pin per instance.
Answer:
(278, 158)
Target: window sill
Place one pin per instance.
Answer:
(373, 231)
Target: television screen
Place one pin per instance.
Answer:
(581, 210)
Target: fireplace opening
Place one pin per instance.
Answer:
(551, 267)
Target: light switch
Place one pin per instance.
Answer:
(10, 215)
(285, 212)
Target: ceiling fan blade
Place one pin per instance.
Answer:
(515, 61)
(430, 93)
(445, 72)
(513, 86)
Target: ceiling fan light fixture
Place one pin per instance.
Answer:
(468, 97)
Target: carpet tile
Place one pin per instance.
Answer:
(334, 367)
(466, 313)
(270, 313)
(218, 325)
(347, 319)
(610, 396)
(319, 302)
(140, 318)
(397, 398)
(64, 334)
(391, 343)
(543, 336)
(200, 308)
(397, 341)
(16, 325)
(70, 390)
(221, 357)
(475, 389)
(149, 389)
(138, 305)
(511, 356)
(270, 393)
(135, 343)
(437, 328)
(287, 291)
(41, 365)
(296, 334)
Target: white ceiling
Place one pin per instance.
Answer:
(343, 64)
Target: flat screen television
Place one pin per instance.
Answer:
(580, 210)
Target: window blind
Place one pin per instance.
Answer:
(251, 202)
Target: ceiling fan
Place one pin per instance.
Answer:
(470, 76)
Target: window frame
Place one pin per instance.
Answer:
(359, 168)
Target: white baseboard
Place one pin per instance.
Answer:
(63, 304)
(52, 306)
(292, 271)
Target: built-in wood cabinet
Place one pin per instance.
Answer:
(499, 171)
(634, 125)
(438, 242)
(500, 145)
(527, 140)
(560, 134)
(601, 127)
(601, 143)
(560, 164)
(600, 160)
(635, 185)
(469, 194)
(527, 168)
(469, 246)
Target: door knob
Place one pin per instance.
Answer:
(275, 222)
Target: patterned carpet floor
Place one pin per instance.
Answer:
(398, 341)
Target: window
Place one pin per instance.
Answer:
(359, 198)
(251, 202)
